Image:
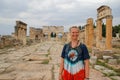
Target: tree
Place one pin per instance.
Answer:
(103, 30)
(94, 25)
(116, 29)
(80, 27)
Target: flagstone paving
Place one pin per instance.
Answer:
(36, 62)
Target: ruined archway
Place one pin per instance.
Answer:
(60, 35)
(104, 12)
(36, 37)
(21, 31)
(53, 34)
(45, 35)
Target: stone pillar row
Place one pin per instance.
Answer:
(108, 42)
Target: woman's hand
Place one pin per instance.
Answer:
(60, 77)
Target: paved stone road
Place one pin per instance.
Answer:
(36, 62)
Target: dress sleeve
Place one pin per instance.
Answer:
(63, 51)
(85, 52)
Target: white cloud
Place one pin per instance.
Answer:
(40, 5)
(53, 12)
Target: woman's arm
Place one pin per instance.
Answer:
(61, 69)
(86, 68)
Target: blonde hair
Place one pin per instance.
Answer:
(74, 27)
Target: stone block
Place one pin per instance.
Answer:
(93, 60)
(107, 52)
(107, 57)
(36, 58)
(7, 77)
(112, 61)
(34, 76)
(116, 56)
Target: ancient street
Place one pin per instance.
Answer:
(35, 62)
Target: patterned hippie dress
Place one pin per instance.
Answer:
(74, 62)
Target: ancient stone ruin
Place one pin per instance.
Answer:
(89, 33)
(104, 12)
(36, 34)
(21, 31)
(41, 61)
(53, 32)
(6, 41)
(94, 36)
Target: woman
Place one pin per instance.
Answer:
(74, 59)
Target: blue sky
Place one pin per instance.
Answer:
(38, 13)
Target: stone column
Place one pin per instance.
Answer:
(90, 32)
(22, 34)
(86, 35)
(19, 32)
(68, 37)
(99, 33)
(0, 37)
(108, 42)
(49, 36)
(24, 37)
(100, 29)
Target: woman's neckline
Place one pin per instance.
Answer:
(78, 42)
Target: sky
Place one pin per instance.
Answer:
(38, 13)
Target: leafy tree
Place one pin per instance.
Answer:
(53, 34)
(103, 30)
(80, 27)
(94, 25)
(116, 29)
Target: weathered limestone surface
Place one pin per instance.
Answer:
(89, 33)
(57, 31)
(109, 33)
(36, 62)
(21, 31)
(36, 33)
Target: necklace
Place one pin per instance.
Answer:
(76, 45)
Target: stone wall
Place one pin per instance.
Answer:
(6, 41)
(36, 33)
(57, 31)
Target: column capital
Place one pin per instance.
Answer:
(109, 16)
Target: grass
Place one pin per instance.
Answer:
(113, 79)
(45, 62)
(109, 67)
(47, 55)
(89, 50)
